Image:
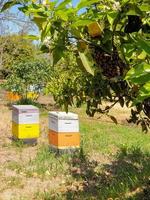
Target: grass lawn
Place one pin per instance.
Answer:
(113, 163)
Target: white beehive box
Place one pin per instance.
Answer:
(25, 114)
(63, 122)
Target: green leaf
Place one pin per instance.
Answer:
(45, 31)
(8, 5)
(32, 37)
(121, 101)
(84, 22)
(59, 49)
(39, 21)
(125, 1)
(57, 55)
(142, 43)
(145, 90)
(139, 74)
(62, 15)
(24, 9)
(87, 63)
(129, 50)
(63, 4)
(44, 49)
(142, 55)
(107, 35)
(144, 93)
(113, 119)
(134, 10)
(145, 7)
(76, 32)
(111, 17)
(86, 3)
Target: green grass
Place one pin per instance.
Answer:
(47, 164)
(47, 196)
(113, 162)
(126, 171)
(103, 137)
(15, 166)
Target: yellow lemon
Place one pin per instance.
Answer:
(94, 29)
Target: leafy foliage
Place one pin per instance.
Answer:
(28, 74)
(110, 40)
(66, 83)
(14, 49)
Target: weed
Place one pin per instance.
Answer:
(15, 166)
(14, 181)
(47, 164)
(18, 143)
(53, 195)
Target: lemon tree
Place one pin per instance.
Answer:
(28, 76)
(110, 42)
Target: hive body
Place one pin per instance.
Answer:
(64, 131)
(25, 122)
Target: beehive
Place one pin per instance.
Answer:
(25, 122)
(11, 96)
(14, 96)
(64, 131)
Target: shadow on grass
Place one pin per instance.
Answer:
(127, 177)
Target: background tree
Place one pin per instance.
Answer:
(14, 49)
(28, 76)
(66, 82)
